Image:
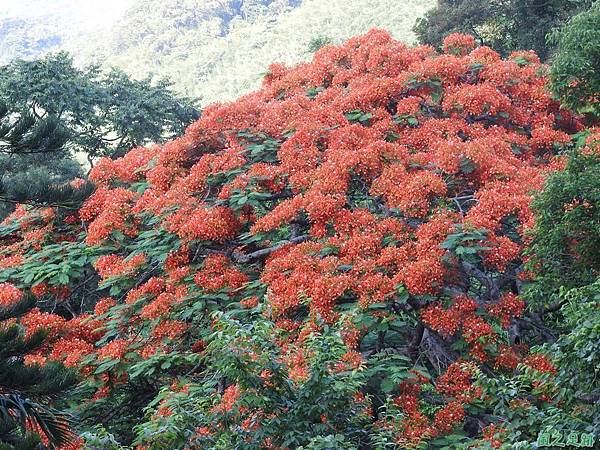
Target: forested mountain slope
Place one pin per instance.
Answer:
(31, 28)
(213, 50)
(217, 50)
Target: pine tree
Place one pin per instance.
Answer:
(34, 166)
(28, 392)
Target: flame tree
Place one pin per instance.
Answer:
(334, 261)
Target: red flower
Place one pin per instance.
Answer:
(448, 417)
(458, 43)
(541, 363)
(113, 350)
(508, 306)
(9, 295)
(228, 399)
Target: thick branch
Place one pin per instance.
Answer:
(416, 341)
(439, 355)
(36, 204)
(492, 289)
(244, 258)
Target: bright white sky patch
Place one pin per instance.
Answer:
(93, 13)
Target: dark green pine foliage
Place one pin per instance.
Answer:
(29, 394)
(35, 168)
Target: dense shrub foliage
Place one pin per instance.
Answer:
(333, 261)
(504, 25)
(576, 64)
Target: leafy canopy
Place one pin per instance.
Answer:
(576, 64)
(52, 114)
(105, 113)
(504, 25)
(334, 260)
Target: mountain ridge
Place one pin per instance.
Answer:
(212, 50)
(233, 44)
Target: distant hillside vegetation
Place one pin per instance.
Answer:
(31, 28)
(220, 49)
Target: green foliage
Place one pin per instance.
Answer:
(26, 391)
(465, 244)
(505, 25)
(565, 252)
(318, 411)
(27, 134)
(329, 442)
(576, 350)
(18, 413)
(97, 438)
(359, 116)
(34, 166)
(52, 111)
(575, 69)
(56, 264)
(453, 16)
(566, 294)
(106, 113)
(317, 42)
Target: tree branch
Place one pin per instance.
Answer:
(492, 290)
(244, 258)
(35, 204)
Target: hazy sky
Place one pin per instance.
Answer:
(35, 27)
(93, 12)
